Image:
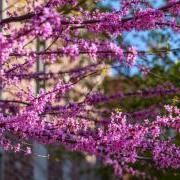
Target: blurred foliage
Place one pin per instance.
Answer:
(165, 68)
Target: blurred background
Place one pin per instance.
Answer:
(159, 68)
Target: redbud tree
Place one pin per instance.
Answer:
(52, 115)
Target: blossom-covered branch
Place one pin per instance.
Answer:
(56, 114)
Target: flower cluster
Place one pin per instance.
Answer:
(53, 115)
(122, 143)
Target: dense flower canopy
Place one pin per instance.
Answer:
(120, 139)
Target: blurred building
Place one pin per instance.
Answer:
(20, 167)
